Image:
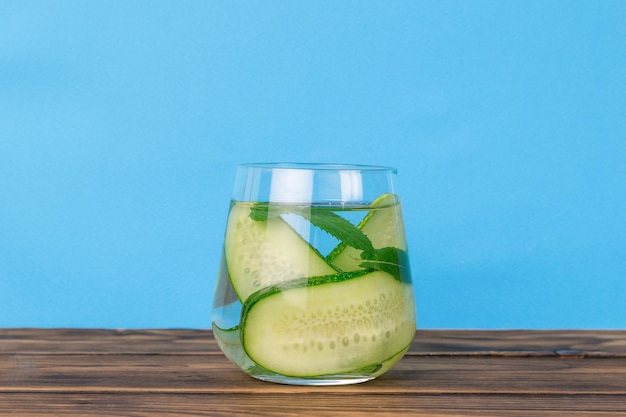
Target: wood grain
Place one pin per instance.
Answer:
(79, 372)
(312, 404)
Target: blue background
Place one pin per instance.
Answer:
(121, 123)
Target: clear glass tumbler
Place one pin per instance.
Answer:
(314, 285)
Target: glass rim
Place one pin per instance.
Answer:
(321, 166)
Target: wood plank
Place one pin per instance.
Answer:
(590, 343)
(105, 341)
(214, 374)
(260, 405)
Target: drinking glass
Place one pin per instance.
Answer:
(314, 286)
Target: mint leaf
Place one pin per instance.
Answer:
(339, 227)
(322, 218)
(260, 212)
(394, 261)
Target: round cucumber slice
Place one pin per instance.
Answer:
(264, 253)
(384, 226)
(329, 325)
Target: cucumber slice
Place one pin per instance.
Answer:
(264, 253)
(383, 226)
(329, 325)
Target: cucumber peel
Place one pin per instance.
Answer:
(329, 324)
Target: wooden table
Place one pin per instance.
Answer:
(79, 372)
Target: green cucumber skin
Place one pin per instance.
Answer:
(271, 350)
(300, 283)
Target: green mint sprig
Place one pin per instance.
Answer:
(394, 261)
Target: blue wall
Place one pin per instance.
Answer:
(121, 123)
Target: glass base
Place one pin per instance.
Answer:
(312, 381)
